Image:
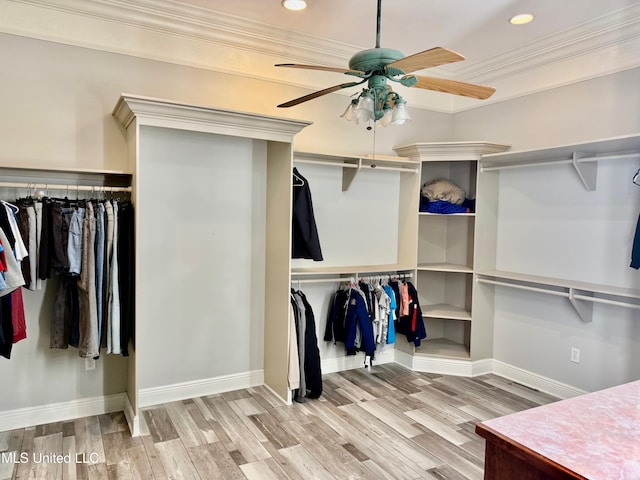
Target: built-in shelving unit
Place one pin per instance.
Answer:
(585, 158)
(408, 170)
(170, 145)
(581, 295)
(446, 252)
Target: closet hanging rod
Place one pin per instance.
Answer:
(70, 187)
(324, 280)
(606, 301)
(523, 287)
(392, 169)
(358, 165)
(329, 164)
(351, 279)
(368, 278)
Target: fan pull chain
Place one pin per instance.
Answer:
(374, 139)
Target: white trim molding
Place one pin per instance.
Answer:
(56, 412)
(182, 34)
(533, 380)
(443, 365)
(351, 362)
(168, 114)
(62, 411)
(133, 420)
(199, 388)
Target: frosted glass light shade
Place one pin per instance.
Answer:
(364, 111)
(349, 113)
(386, 117)
(400, 114)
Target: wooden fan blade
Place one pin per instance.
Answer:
(317, 94)
(429, 58)
(320, 67)
(465, 89)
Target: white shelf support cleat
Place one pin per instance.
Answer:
(587, 171)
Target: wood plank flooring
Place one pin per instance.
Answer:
(389, 423)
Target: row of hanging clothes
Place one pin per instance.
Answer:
(366, 315)
(86, 247)
(305, 374)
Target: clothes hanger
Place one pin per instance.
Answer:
(300, 181)
(636, 178)
(11, 205)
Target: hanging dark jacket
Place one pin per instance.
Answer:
(335, 328)
(304, 233)
(412, 325)
(635, 252)
(312, 370)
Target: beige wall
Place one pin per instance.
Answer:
(56, 111)
(603, 107)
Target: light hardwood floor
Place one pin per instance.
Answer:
(390, 423)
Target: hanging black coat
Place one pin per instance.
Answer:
(334, 329)
(412, 325)
(305, 240)
(312, 371)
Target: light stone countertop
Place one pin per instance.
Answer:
(596, 435)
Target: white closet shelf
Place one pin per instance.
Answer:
(446, 311)
(43, 175)
(429, 214)
(48, 169)
(352, 164)
(583, 156)
(443, 347)
(582, 295)
(445, 267)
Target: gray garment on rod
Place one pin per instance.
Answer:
(302, 327)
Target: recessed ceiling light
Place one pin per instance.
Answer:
(294, 4)
(521, 19)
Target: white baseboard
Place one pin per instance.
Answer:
(198, 388)
(133, 420)
(350, 362)
(533, 380)
(59, 412)
(444, 366)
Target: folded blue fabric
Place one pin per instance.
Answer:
(442, 206)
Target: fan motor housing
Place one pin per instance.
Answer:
(374, 59)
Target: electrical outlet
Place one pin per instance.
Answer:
(89, 363)
(575, 355)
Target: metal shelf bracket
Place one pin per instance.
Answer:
(587, 171)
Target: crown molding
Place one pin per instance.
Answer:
(200, 24)
(173, 32)
(438, 151)
(169, 114)
(609, 30)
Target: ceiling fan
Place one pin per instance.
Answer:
(378, 65)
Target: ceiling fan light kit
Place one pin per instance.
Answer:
(378, 102)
